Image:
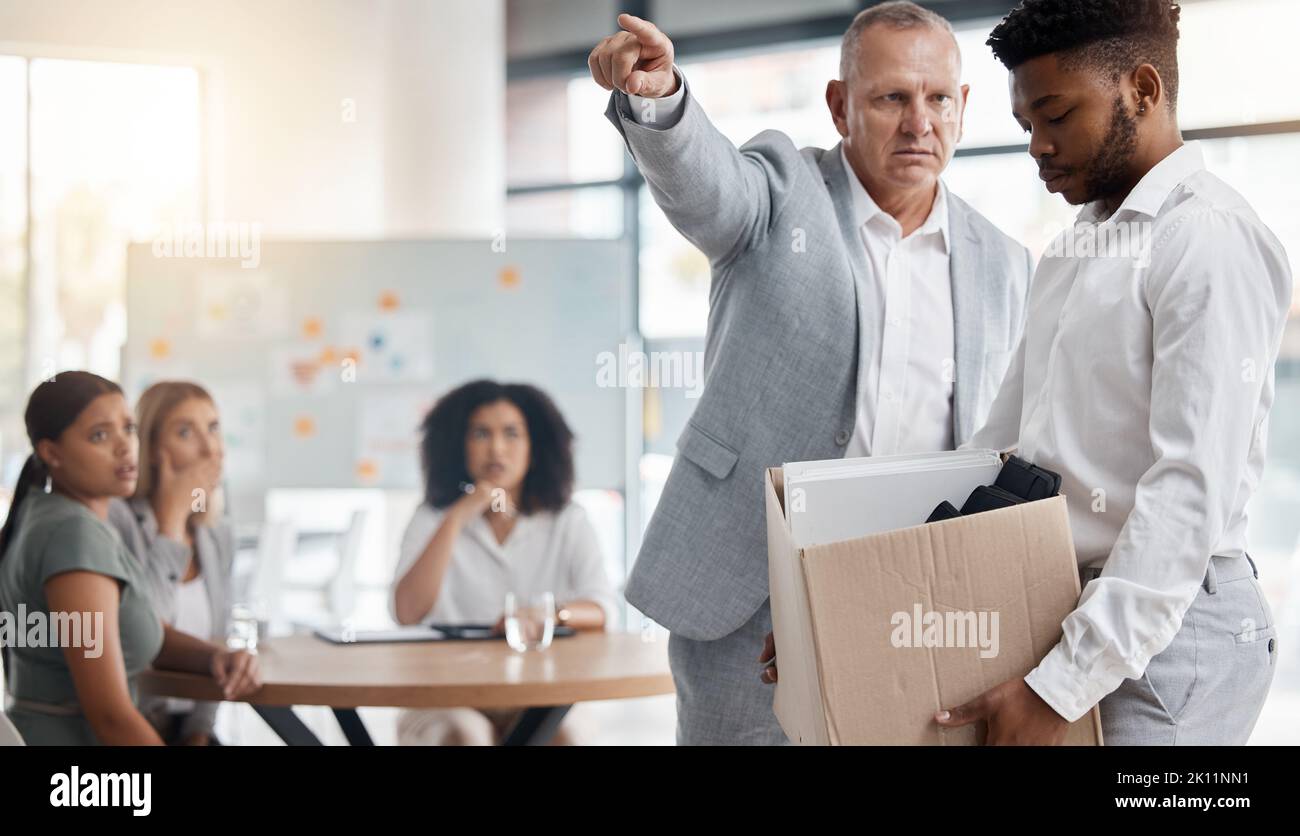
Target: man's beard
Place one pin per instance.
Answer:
(1108, 172)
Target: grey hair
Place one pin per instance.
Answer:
(900, 14)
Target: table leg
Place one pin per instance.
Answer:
(292, 730)
(353, 729)
(536, 726)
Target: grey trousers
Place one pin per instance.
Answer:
(1208, 686)
(720, 699)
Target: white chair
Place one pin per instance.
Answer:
(8, 734)
(341, 594)
(275, 546)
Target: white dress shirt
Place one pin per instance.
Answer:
(906, 352)
(546, 551)
(1146, 383)
(907, 348)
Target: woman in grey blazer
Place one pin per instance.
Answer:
(173, 524)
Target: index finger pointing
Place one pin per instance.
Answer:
(645, 31)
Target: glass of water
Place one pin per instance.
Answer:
(530, 621)
(244, 628)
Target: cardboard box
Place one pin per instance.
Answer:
(876, 634)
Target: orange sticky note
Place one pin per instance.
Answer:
(367, 470)
(311, 327)
(304, 426)
(328, 356)
(160, 349)
(508, 277)
(389, 301)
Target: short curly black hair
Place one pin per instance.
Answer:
(548, 485)
(1115, 36)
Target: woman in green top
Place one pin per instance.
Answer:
(61, 564)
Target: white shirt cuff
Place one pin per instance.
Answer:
(659, 114)
(1070, 692)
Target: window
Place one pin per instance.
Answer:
(595, 212)
(13, 234)
(557, 133)
(114, 156)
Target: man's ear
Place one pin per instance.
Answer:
(961, 111)
(1148, 88)
(837, 97)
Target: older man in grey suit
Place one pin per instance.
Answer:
(857, 308)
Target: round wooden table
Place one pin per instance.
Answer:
(305, 670)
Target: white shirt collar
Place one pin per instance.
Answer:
(865, 208)
(1154, 188)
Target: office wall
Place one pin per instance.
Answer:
(325, 118)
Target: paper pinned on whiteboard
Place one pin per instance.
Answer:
(303, 370)
(242, 408)
(388, 438)
(240, 304)
(392, 347)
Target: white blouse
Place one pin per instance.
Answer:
(546, 551)
(193, 616)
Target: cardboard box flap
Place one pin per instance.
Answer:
(798, 699)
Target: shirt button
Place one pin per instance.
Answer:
(842, 437)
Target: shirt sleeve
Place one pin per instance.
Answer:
(588, 580)
(79, 544)
(419, 531)
(1001, 429)
(1218, 307)
(659, 114)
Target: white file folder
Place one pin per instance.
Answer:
(843, 499)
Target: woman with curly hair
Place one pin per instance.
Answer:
(496, 518)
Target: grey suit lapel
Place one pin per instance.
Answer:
(836, 178)
(969, 266)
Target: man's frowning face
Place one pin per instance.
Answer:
(900, 109)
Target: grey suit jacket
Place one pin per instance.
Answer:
(165, 562)
(781, 350)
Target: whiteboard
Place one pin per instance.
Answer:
(324, 357)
